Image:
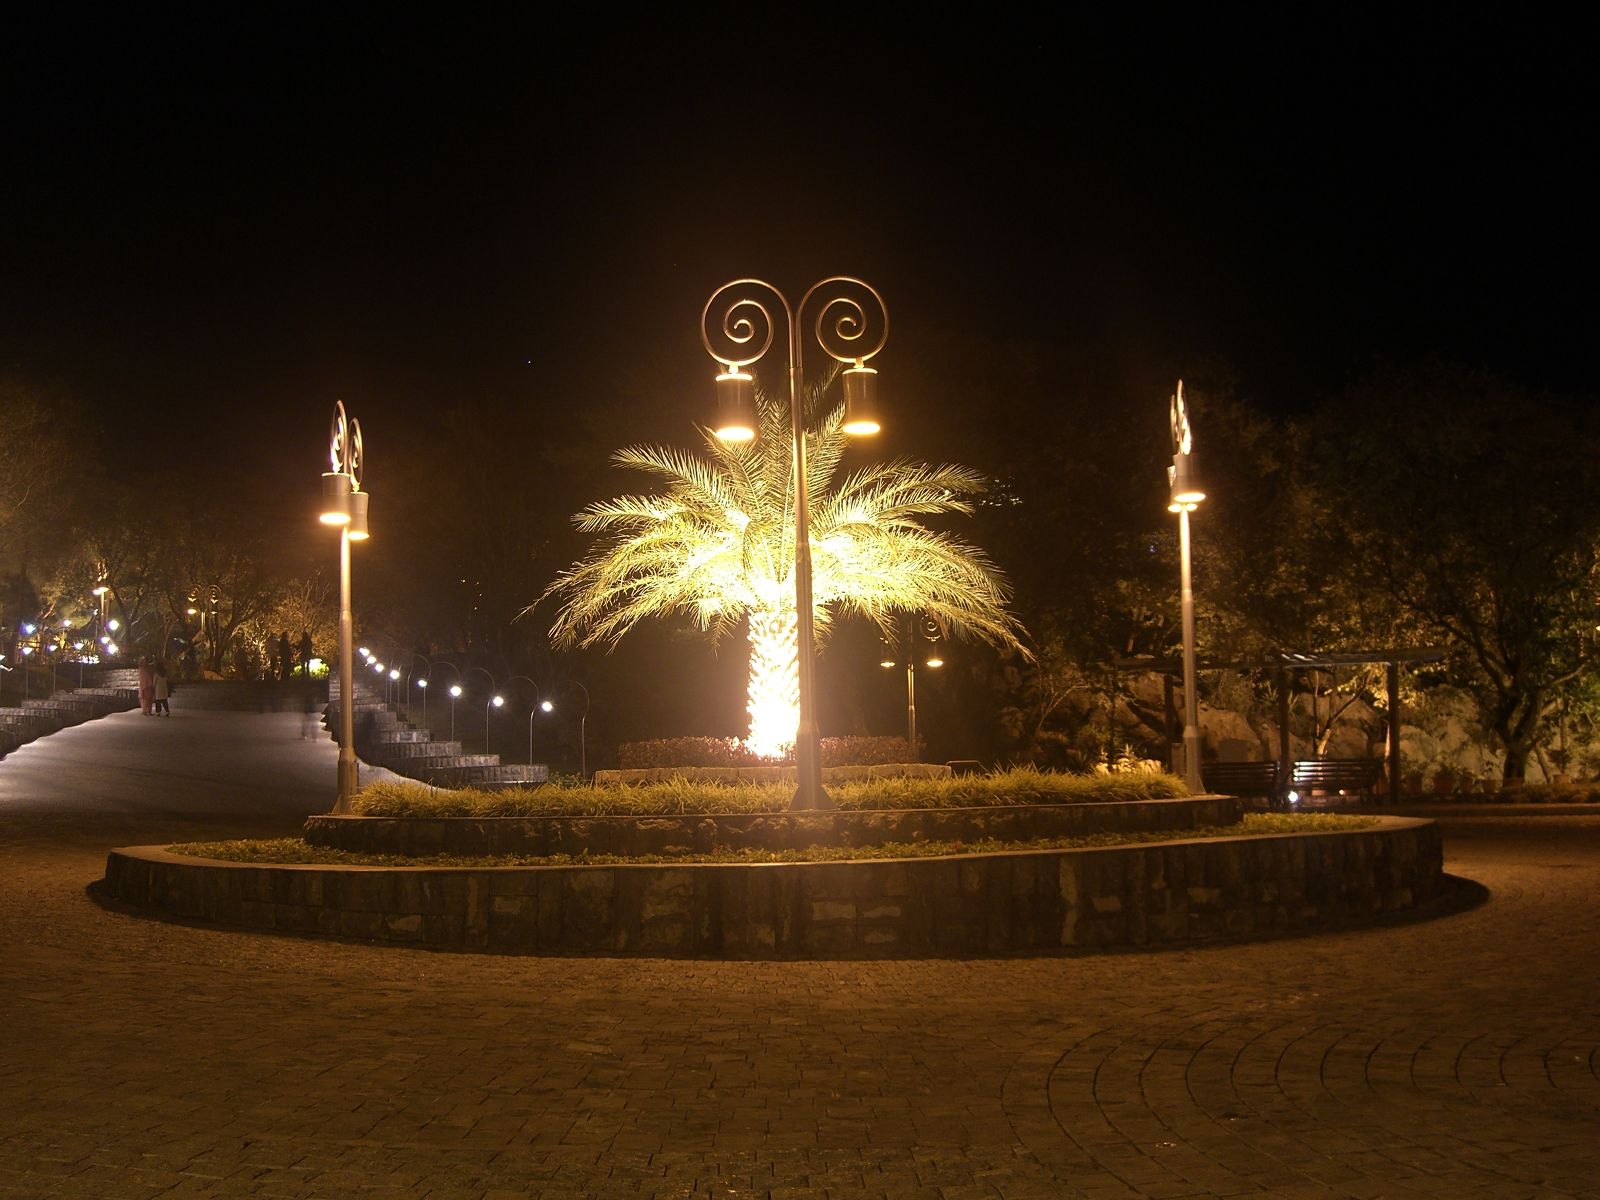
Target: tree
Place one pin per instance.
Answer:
(1475, 506)
(717, 546)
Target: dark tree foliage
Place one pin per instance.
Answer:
(1474, 505)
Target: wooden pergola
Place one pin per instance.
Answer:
(1283, 665)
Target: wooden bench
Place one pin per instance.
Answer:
(1241, 778)
(1342, 776)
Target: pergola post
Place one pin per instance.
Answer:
(1394, 732)
(1285, 750)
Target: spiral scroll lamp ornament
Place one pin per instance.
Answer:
(737, 327)
(343, 501)
(1187, 490)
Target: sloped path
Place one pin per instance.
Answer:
(1455, 1058)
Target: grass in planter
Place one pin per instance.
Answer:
(296, 851)
(676, 797)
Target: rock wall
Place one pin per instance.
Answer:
(1175, 893)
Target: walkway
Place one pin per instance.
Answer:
(1456, 1058)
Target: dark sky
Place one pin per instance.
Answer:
(209, 230)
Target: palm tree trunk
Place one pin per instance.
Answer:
(774, 690)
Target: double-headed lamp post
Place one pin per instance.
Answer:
(851, 326)
(933, 662)
(344, 504)
(1187, 493)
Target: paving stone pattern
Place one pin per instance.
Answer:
(1453, 1058)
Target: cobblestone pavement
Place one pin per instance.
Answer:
(1453, 1058)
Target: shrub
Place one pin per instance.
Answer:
(730, 752)
(1022, 785)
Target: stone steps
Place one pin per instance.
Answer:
(386, 739)
(391, 752)
(39, 718)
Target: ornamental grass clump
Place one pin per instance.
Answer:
(676, 797)
(297, 851)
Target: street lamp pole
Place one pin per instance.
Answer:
(344, 504)
(850, 312)
(1187, 493)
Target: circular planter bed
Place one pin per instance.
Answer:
(1178, 892)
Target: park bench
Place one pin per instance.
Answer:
(1342, 776)
(1241, 778)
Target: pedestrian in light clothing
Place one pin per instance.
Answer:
(147, 686)
(162, 690)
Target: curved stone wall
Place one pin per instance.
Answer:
(632, 836)
(1027, 902)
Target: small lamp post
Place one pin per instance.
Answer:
(344, 504)
(1187, 494)
(849, 310)
(495, 701)
(455, 694)
(535, 710)
(583, 733)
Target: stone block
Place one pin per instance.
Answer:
(588, 916)
(364, 891)
(830, 940)
(831, 910)
(358, 924)
(447, 930)
(403, 927)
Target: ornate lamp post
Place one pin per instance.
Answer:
(1187, 493)
(737, 328)
(344, 504)
(933, 662)
(583, 733)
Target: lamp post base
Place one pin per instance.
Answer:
(349, 779)
(1193, 752)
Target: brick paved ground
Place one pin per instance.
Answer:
(1456, 1058)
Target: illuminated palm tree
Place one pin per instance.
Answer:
(717, 545)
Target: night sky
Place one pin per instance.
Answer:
(208, 232)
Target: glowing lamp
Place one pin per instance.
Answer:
(358, 516)
(32, 629)
(861, 401)
(113, 625)
(498, 701)
(99, 591)
(336, 492)
(887, 663)
(935, 662)
(736, 407)
(1187, 490)
(394, 673)
(455, 689)
(422, 683)
(546, 706)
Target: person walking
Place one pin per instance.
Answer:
(147, 686)
(162, 690)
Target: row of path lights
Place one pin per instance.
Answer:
(737, 328)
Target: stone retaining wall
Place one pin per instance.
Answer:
(632, 836)
(1173, 893)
